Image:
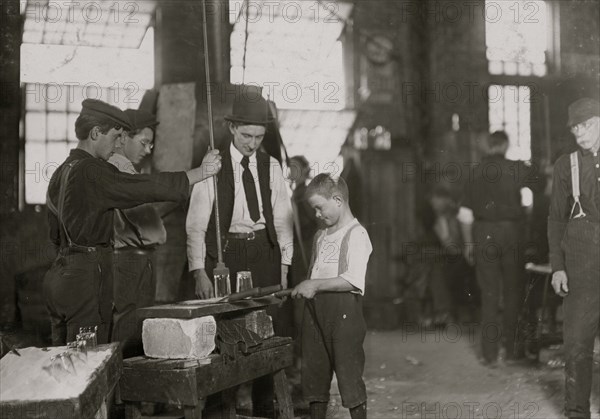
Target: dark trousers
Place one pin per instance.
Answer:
(134, 287)
(499, 270)
(581, 313)
(333, 332)
(263, 259)
(78, 289)
(438, 286)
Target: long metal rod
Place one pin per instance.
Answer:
(211, 129)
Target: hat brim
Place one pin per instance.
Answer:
(578, 120)
(233, 118)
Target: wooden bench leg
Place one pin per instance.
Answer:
(229, 403)
(194, 412)
(133, 410)
(284, 399)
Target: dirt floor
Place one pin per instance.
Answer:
(435, 374)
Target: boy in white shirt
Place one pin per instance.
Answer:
(333, 327)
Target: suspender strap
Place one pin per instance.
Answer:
(575, 175)
(61, 200)
(576, 192)
(343, 260)
(59, 212)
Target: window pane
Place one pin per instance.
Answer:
(495, 67)
(300, 64)
(35, 126)
(56, 153)
(71, 118)
(57, 126)
(33, 97)
(75, 98)
(35, 184)
(511, 111)
(56, 97)
(539, 70)
(516, 33)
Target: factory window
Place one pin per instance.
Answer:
(510, 111)
(72, 51)
(293, 49)
(49, 128)
(517, 37)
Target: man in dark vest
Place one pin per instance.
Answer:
(255, 219)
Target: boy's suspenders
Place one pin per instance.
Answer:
(58, 211)
(343, 259)
(576, 192)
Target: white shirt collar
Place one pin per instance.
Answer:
(237, 156)
(122, 163)
(341, 231)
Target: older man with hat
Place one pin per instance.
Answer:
(255, 213)
(82, 197)
(574, 241)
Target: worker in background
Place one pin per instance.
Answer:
(306, 225)
(83, 193)
(574, 241)
(492, 205)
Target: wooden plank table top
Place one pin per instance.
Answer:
(83, 404)
(191, 310)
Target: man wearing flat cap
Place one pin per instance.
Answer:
(138, 232)
(255, 214)
(574, 241)
(82, 197)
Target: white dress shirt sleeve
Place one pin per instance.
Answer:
(283, 217)
(359, 250)
(196, 223)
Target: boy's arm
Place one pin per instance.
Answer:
(310, 287)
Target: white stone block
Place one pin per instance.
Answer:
(179, 338)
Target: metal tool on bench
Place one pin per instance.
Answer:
(258, 292)
(220, 272)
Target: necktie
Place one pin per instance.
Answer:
(250, 190)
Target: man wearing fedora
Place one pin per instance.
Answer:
(83, 194)
(574, 241)
(255, 215)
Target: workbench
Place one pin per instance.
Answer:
(38, 395)
(188, 382)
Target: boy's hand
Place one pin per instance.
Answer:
(560, 283)
(306, 289)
